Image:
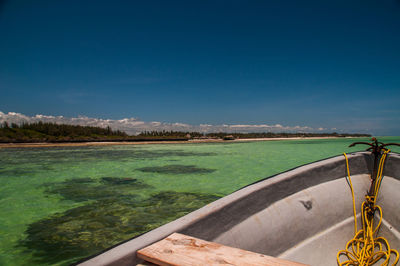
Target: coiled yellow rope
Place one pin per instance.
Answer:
(366, 248)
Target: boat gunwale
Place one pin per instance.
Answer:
(191, 219)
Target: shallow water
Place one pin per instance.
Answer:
(58, 205)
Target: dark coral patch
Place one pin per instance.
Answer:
(83, 189)
(89, 229)
(98, 153)
(121, 181)
(176, 169)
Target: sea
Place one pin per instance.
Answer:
(59, 205)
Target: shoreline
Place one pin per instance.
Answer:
(84, 144)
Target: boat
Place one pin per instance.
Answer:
(229, 137)
(303, 215)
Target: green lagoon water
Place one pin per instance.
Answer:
(61, 204)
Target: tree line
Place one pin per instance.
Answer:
(171, 133)
(222, 135)
(48, 132)
(52, 132)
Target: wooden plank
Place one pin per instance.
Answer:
(179, 249)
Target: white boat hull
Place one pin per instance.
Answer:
(303, 215)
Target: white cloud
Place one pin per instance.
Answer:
(135, 126)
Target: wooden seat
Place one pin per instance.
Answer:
(179, 249)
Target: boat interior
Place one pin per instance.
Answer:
(303, 215)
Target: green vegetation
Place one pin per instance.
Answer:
(282, 135)
(52, 132)
(222, 135)
(171, 133)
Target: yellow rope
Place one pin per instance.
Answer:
(366, 248)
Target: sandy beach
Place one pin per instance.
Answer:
(80, 144)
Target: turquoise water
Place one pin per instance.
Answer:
(58, 205)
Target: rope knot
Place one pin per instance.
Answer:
(370, 207)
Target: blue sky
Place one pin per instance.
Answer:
(322, 64)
